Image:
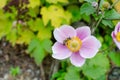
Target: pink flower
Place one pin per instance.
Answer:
(116, 35)
(77, 44)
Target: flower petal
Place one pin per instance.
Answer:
(60, 51)
(117, 28)
(114, 39)
(83, 32)
(89, 47)
(77, 60)
(63, 33)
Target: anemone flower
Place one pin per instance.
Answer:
(76, 44)
(116, 35)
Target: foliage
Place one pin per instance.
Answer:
(37, 49)
(91, 69)
(33, 23)
(115, 57)
(49, 14)
(3, 3)
(14, 71)
(87, 9)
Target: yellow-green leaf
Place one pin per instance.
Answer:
(44, 33)
(2, 3)
(34, 3)
(56, 14)
(5, 24)
(57, 1)
(35, 24)
(25, 37)
(12, 36)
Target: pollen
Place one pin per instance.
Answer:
(118, 37)
(73, 44)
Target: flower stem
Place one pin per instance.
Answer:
(98, 22)
(54, 68)
(42, 72)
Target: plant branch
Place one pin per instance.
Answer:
(54, 68)
(42, 72)
(97, 23)
(98, 6)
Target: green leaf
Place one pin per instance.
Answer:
(111, 14)
(14, 71)
(86, 17)
(100, 38)
(58, 75)
(72, 73)
(103, 77)
(115, 58)
(32, 12)
(96, 67)
(101, 3)
(90, 1)
(87, 9)
(108, 23)
(12, 16)
(47, 45)
(75, 12)
(36, 50)
(107, 39)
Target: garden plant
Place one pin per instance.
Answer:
(65, 39)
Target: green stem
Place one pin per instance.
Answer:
(99, 1)
(97, 24)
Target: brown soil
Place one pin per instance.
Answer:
(16, 56)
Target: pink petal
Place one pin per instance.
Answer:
(89, 47)
(83, 32)
(77, 60)
(63, 33)
(117, 28)
(113, 34)
(114, 39)
(60, 51)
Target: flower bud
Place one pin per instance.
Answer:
(106, 5)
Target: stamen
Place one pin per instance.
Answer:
(73, 44)
(118, 37)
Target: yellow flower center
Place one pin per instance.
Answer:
(73, 44)
(118, 37)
